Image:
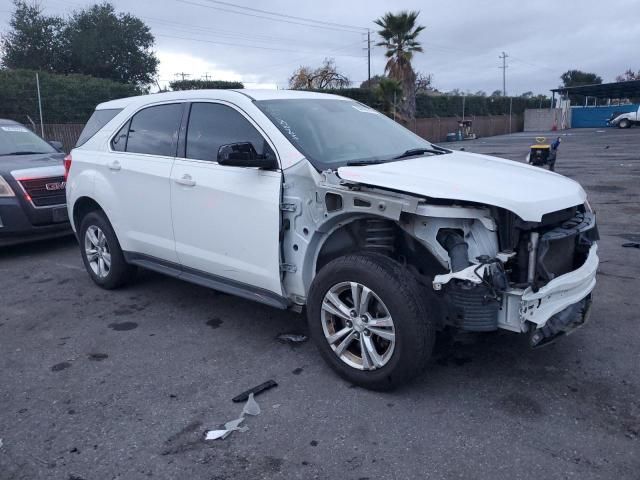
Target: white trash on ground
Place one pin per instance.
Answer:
(250, 408)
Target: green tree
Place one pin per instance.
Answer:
(399, 33)
(34, 41)
(104, 44)
(574, 78)
(389, 92)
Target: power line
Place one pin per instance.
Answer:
(244, 46)
(242, 7)
(339, 29)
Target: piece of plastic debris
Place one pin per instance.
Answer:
(292, 338)
(631, 245)
(251, 407)
(215, 434)
(244, 396)
(277, 405)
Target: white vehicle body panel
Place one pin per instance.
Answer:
(634, 117)
(527, 191)
(137, 199)
(228, 223)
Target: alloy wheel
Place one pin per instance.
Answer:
(97, 251)
(358, 326)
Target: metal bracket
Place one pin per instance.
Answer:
(468, 274)
(289, 268)
(288, 207)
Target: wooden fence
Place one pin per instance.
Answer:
(436, 129)
(67, 133)
(433, 129)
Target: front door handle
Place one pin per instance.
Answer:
(186, 180)
(115, 165)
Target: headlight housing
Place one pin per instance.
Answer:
(5, 189)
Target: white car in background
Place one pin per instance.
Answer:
(626, 120)
(298, 199)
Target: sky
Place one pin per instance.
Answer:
(462, 41)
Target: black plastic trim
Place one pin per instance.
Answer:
(208, 280)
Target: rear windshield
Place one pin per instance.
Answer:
(18, 140)
(98, 120)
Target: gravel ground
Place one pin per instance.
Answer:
(123, 384)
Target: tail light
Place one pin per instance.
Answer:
(67, 166)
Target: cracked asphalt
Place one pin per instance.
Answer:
(123, 384)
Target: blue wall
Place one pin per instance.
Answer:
(594, 117)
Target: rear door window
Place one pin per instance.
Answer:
(154, 130)
(98, 120)
(212, 125)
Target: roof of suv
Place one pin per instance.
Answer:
(214, 94)
(6, 121)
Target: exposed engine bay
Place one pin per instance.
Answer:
(482, 267)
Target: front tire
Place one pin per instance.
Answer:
(101, 252)
(369, 319)
(624, 123)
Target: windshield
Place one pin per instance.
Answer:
(18, 140)
(332, 133)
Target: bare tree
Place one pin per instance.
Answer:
(628, 76)
(324, 77)
(424, 82)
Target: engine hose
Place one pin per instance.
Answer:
(456, 247)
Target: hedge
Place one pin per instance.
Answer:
(448, 106)
(204, 84)
(65, 98)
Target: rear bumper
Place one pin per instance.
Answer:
(549, 310)
(16, 226)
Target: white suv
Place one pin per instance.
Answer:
(298, 199)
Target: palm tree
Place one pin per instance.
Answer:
(399, 33)
(389, 92)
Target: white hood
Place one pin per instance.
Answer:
(527, 191)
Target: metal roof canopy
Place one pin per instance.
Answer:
(603, 90)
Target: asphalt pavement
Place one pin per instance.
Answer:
(123, 384)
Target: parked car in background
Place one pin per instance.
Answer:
(32, 186)
(298, 199)
(626, 120)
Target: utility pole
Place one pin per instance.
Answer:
(40, 106)
(183, 75)
(504, 73)
(206, 76)
(369, 58)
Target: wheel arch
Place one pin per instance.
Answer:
(81, 207)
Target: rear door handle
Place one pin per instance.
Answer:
(115, 165)
(186, 180)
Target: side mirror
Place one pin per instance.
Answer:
(245, 155)
(56, 144)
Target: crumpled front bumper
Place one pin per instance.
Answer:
(560, 306)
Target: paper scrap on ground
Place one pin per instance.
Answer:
(250, 408)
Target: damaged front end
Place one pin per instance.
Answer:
(526, 277)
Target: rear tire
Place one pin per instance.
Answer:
(384, 350)
(101, 252)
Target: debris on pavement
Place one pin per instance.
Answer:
(254, 391)
(631, 245)
(250, 408)
(292, 338)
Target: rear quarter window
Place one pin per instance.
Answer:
(98, 120)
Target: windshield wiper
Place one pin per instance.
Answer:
(22, 153)
(356, 163)
(421, 151)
